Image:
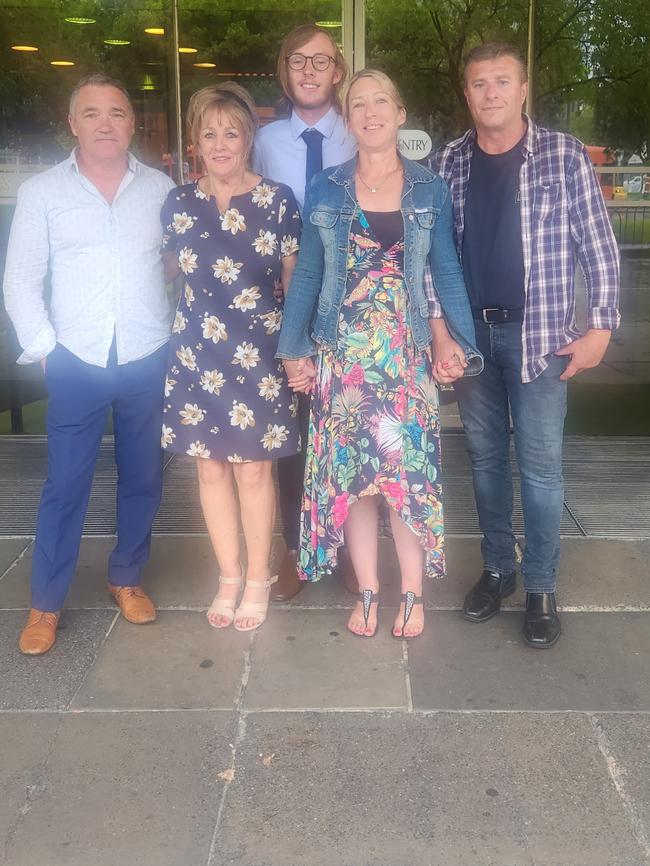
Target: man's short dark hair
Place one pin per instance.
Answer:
(494, 50)
(98, 79)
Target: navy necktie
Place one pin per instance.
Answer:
(314, 141)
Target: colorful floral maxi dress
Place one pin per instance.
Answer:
(374, 425)
(226, 395)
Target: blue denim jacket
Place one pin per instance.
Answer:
(318, 284)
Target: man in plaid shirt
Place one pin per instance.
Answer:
(527, 210)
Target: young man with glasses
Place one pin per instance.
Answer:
(311, 71)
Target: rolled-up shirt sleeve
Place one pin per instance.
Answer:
(24, 279)
(597, 249)
(435, 310)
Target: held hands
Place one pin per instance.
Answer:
(585, 352)
(449, 363)
(300, 374)
(449, 360)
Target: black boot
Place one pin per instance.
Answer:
(542, 626)
(483, 601)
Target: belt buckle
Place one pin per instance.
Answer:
(488, 310)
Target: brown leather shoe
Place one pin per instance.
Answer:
(134, 603)
(345, 571)
(39, 634)
(288, 583)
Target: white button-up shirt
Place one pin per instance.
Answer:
(104, 263)
(281, 154)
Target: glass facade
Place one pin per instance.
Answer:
(163, 50)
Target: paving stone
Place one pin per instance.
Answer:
(178, 662)
(600, 663)
(49, 681)
(362, 789)
(305, 659)
(628, 742)
(182, 572)
(25, 742)
(592, 573)
(604, 573)
(131, 788)
(88, 588)
(10, 550)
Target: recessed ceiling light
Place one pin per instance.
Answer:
(155, 31)
(81, 20)
(329, 24)
(205, 65)
(117, 42)
(61, 63)
(24, 48)
(188, 50)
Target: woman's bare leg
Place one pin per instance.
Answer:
(360, 530)
(221, 514)
(257, 503)
(410, 554)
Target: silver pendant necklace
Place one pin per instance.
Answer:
(379, 185)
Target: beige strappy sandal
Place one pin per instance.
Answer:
(257, 609)
(224, 606)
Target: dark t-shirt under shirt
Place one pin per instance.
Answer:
(493, 262)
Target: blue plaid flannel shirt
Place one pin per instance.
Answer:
(564, 222)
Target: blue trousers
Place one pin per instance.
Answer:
(81, 396)
(538, 409)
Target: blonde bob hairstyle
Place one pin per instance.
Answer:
(228, 99)
(385, 83)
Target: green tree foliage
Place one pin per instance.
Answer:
(592, 61)
(621, 63)
(422, 44)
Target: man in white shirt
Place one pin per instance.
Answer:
(311, 70)
(93, 223)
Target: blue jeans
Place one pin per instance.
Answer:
(538, 409)
(81, 396)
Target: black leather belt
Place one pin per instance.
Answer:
(497, 316)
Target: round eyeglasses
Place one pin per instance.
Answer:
(320, 62)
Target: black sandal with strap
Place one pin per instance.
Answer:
(368, 597)
(410, 599)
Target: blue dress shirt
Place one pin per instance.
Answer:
(281, 154)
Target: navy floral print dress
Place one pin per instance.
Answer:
(226, 396)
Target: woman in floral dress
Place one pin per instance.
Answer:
(357, 294)
(233, 235)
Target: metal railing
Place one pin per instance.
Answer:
(629, 211)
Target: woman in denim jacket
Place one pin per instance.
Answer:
(357, 302)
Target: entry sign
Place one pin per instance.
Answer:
(414, 143)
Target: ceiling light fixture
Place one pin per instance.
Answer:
(155, 31)
(24, 48)
(117, 42)
(61, 63)
(329, 25)
(81, 20)
(188, 50)
(206, 65)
